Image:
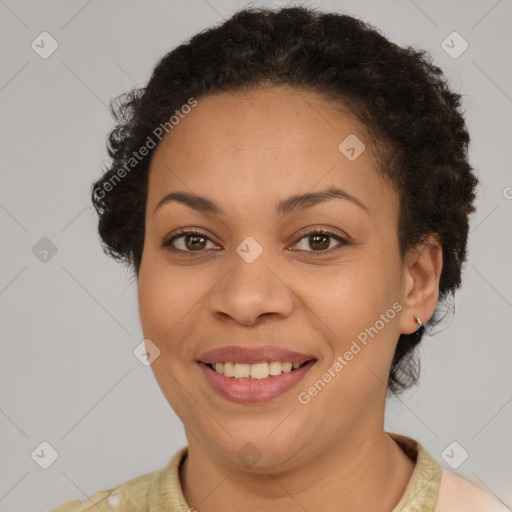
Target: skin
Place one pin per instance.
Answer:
(246, 152)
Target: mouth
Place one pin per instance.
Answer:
(256, 371)
(248, 383)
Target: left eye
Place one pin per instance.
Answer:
(195, 241)
(320, 240)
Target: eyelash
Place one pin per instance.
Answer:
(167, 242)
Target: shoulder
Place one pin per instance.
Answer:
(130, 496)
(158, 490)
(457, 494)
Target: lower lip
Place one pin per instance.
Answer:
(254, 390)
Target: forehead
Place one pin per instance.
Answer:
(261, 146)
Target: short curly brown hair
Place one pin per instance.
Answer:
(403, 99)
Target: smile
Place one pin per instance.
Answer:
(253, 383)
(254, 371)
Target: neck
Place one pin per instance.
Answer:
(355, 474)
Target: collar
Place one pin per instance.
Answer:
(421, 492)
(165, 492)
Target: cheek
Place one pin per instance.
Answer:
(361, 314)
(351, 295)
(360, 308)
(166, 311)
(166, 299)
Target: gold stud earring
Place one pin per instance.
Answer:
(419, 322)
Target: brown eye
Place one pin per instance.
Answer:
(320, 241)
(194, 242)
(187, 241)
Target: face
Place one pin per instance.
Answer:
(256, 274)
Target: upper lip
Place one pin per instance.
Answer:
(252, 355)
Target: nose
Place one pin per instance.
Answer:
(252, 290)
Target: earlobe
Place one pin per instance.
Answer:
(422, 267)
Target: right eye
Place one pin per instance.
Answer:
(190, 241)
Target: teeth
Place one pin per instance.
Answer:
(286, 367)
(229, 369)
(259, 371)
(254, 371)
(242, 371)
(274, 368)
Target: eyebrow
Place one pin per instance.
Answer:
(292, 204)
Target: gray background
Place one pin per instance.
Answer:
(70, 323)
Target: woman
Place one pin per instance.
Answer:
(292, 192)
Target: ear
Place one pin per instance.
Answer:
(422, 271)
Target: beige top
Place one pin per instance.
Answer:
(430, 489)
